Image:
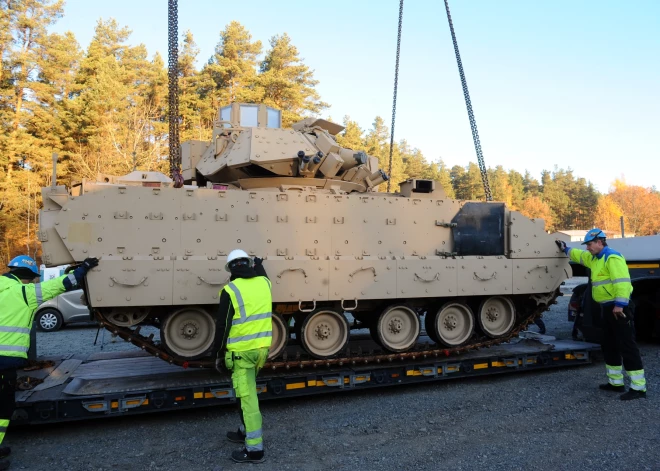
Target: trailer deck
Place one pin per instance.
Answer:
(127, 383)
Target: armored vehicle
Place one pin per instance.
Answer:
(471, 273)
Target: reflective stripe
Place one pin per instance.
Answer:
(13, 348)
(616, 382)
(621, 300)
(250, 337)
(607, 282)
(72, 279)
(637, 387)
(636, 377)
(255, 317)
(259, 447)
(37, 292)
(239, 299)
(613, 372)
(15, 330)
(253, 435)
(270, 285)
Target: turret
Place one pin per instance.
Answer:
(250, 149)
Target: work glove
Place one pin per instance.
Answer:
(258, 261)
(82, 270)
(561, 244)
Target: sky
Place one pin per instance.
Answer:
(572, 84)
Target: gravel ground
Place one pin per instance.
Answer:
(555, 420)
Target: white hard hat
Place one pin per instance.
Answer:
(235, 255)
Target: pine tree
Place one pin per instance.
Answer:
(288, 84)
(232, 69)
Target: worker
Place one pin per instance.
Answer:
(20, 298)
(244, 332)
(611, 288)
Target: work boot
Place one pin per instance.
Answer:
(236, 437)
(4, 464)
(633, 394)
(611, 387)
(244, 456)
(5, 451)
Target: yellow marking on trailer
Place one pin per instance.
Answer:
(137, 402)
(569, 356)
(295, 386)
(451, 368)
(114, 404)
(311, 382)
(413, 373)
(96, 406)
(180, 398)
(331, 382)
(497, 364)
(480, 366)
(643, 265)
(208, 395)
(347, 380)
(198, 395)
(362, 378)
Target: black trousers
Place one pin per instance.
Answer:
(7, 393)
(618, 341)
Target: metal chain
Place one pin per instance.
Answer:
(396, 85)
(173, 88)
(468, 103)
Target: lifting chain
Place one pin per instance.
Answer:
(468, 103)
(396, 85)
(173, 88)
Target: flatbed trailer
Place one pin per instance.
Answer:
(128, 383)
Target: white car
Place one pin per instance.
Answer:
(67, 308)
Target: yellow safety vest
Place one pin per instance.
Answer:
(18, 302)
(610, 278)
(252, 325)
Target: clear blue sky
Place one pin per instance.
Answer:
(568, 83)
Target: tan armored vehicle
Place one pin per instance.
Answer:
(476, 272)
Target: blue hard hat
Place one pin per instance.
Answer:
(593, 234)
(23, 261)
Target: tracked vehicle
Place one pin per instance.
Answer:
(469, 273)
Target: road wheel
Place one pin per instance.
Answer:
(49, 320)
(324, 333)
(280, 336)
(452, 325)
(188, 333)
(397, 328)
(497, 315)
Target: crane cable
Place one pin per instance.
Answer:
(173, 95)
(468, 103)
(396, 85)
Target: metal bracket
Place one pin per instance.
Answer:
(279, 275)
(349, 309)
(306, 310)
